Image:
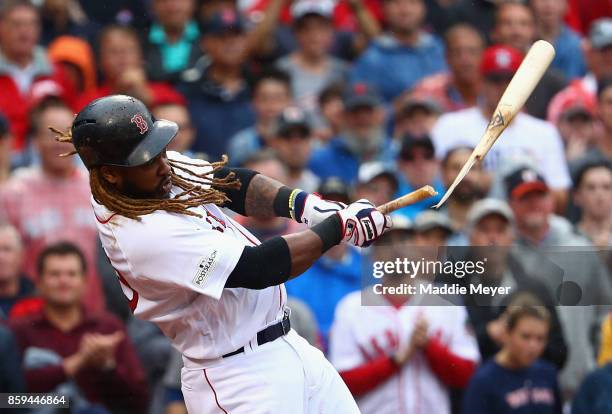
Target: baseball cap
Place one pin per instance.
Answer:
(523, 181)
(427, 104)
(303, 8)
(500, 61)
(573, 101)
(401, 222)
(4, 126)
(222, 21)
(292, 119)
(486, 207)
(430, 219)
(334, 188)
(410, 142)
(601, 33)
(361, 95)
(374, 169)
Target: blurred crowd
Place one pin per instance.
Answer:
(350, 99)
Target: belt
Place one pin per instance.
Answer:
(268, 334)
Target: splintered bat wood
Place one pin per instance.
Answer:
(407, 199)
(521, 86)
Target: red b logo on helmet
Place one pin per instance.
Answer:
(140, 123)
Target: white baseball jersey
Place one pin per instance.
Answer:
(361, 333)
(173, 268)
(526, 138)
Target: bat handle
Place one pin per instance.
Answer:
(407, 199)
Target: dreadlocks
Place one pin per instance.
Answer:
(193, 194)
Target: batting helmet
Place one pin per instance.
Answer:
(119, 130)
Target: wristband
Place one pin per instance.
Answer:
(281, 202)
(329, 231)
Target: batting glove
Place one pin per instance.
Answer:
(312, 209)
(362, 223)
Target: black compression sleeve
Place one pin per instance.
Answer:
(259, 267)
(237, 196)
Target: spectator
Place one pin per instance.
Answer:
(25, 70)
(76, 58)
(515, 27)
(416, 117)
(292, 142)
(377, 182)
(65, 18)
(474, 186)
(577, 127)
(550, 26)
(555, 254)
(6, 141)
(598, 52)
(51, 202)
(333, 276)
(64, 344)
(153, 350)
(604, 355)
(268, 39)
(515, 380)
(604, 108)
(11, 374)
(271, 95)
(331, 108)
(171, 43)
(594, 396)
(178, 113)
(266, 162)
(218, 96)
(375, 348)
(362, 138)
(478, 13)
(311, 67)
(525, 137)
(417, 167)
(122, 66)
(396, 61)
(14, 285)
(593, 194)
(460, 87)
(432, 229)
(122, 12)
(491, 231)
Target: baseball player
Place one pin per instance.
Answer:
(396, 355)
(211, 287)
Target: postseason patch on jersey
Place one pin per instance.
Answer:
(205, 268)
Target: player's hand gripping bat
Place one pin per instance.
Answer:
(521, 86)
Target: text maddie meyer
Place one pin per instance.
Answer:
(413, 268)
(430, 289)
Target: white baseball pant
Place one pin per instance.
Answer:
(285, 376)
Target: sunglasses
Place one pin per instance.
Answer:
(412, 156)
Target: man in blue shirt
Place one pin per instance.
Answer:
(363, 137)
(569, 57)
(406, 54)
(217, 92)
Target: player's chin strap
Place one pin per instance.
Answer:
(269, 334)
